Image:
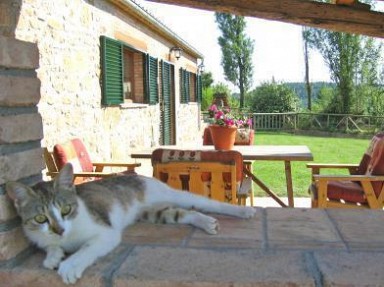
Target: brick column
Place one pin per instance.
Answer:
(20, 133)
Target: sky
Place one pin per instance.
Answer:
(278, 48)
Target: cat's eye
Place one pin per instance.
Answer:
(65, 210)
(41, 218)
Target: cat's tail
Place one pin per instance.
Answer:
(158, 192)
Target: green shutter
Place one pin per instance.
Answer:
(167, 108)
(112, 71)
(152, 84)
(187, 82)
(146, 76)
(184, 86)
(199, 89)
(181, 83)
(151, 70)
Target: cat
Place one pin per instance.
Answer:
(87, 220)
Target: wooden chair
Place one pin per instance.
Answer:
(243, 137)
(215, 174)
(75, 152)
(363, 187)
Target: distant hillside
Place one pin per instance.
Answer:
(301, 91)
(299, 88)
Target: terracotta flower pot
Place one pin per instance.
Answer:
(223, 137)
(345, 2)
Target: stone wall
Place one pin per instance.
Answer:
(67, 34)
(21, 131)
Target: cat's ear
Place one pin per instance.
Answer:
(65, 177)
(18, 192)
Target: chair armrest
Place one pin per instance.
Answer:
(100, 165)
(316, 167)
(332, 165)
(349, 177)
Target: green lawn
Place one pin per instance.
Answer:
(324, 150)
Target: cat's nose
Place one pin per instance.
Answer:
(58, 229)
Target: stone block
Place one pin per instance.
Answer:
(5, 15)
(355, 229)
(301, 228)
(21, 128)
(7, 210)
(12, 242)
(18, 54)
(233, 233)
(55, 24)
(351, 269)
(22, 164)
(166, 266)
(19, 91)
(147, 233)
(32, 273)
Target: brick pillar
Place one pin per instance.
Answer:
(21, 131)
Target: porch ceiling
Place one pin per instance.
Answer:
(302, 12)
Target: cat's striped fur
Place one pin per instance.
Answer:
(87, 220)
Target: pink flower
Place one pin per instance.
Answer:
(225, 117)
(212, 108)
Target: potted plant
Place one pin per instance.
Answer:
(224, 124)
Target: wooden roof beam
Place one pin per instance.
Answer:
(302, 12)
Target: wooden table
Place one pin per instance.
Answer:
(252, 153)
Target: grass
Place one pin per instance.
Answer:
(324, 150)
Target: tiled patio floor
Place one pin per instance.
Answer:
(278, 247)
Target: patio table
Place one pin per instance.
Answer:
(285, 153)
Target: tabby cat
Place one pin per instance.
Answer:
(87, 220)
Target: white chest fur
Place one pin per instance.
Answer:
(84, 228)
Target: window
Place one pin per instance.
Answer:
(190, 87)
(128, 75)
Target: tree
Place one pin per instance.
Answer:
(237, 50)
(221, 88)
(206, 79)
(352, 61)
(206, 82)
(306, 61)
(273, 98)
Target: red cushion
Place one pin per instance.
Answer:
(74, 152)
(376, 164)
(346, 190)
(363, 166)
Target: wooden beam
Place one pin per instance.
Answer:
(302, 12)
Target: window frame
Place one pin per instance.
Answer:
(112, 73)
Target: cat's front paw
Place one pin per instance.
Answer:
(53, 259)
(70, 272)
(247, 212)
(51, 263)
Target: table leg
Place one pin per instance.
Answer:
(264, 187)
(288, 179)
